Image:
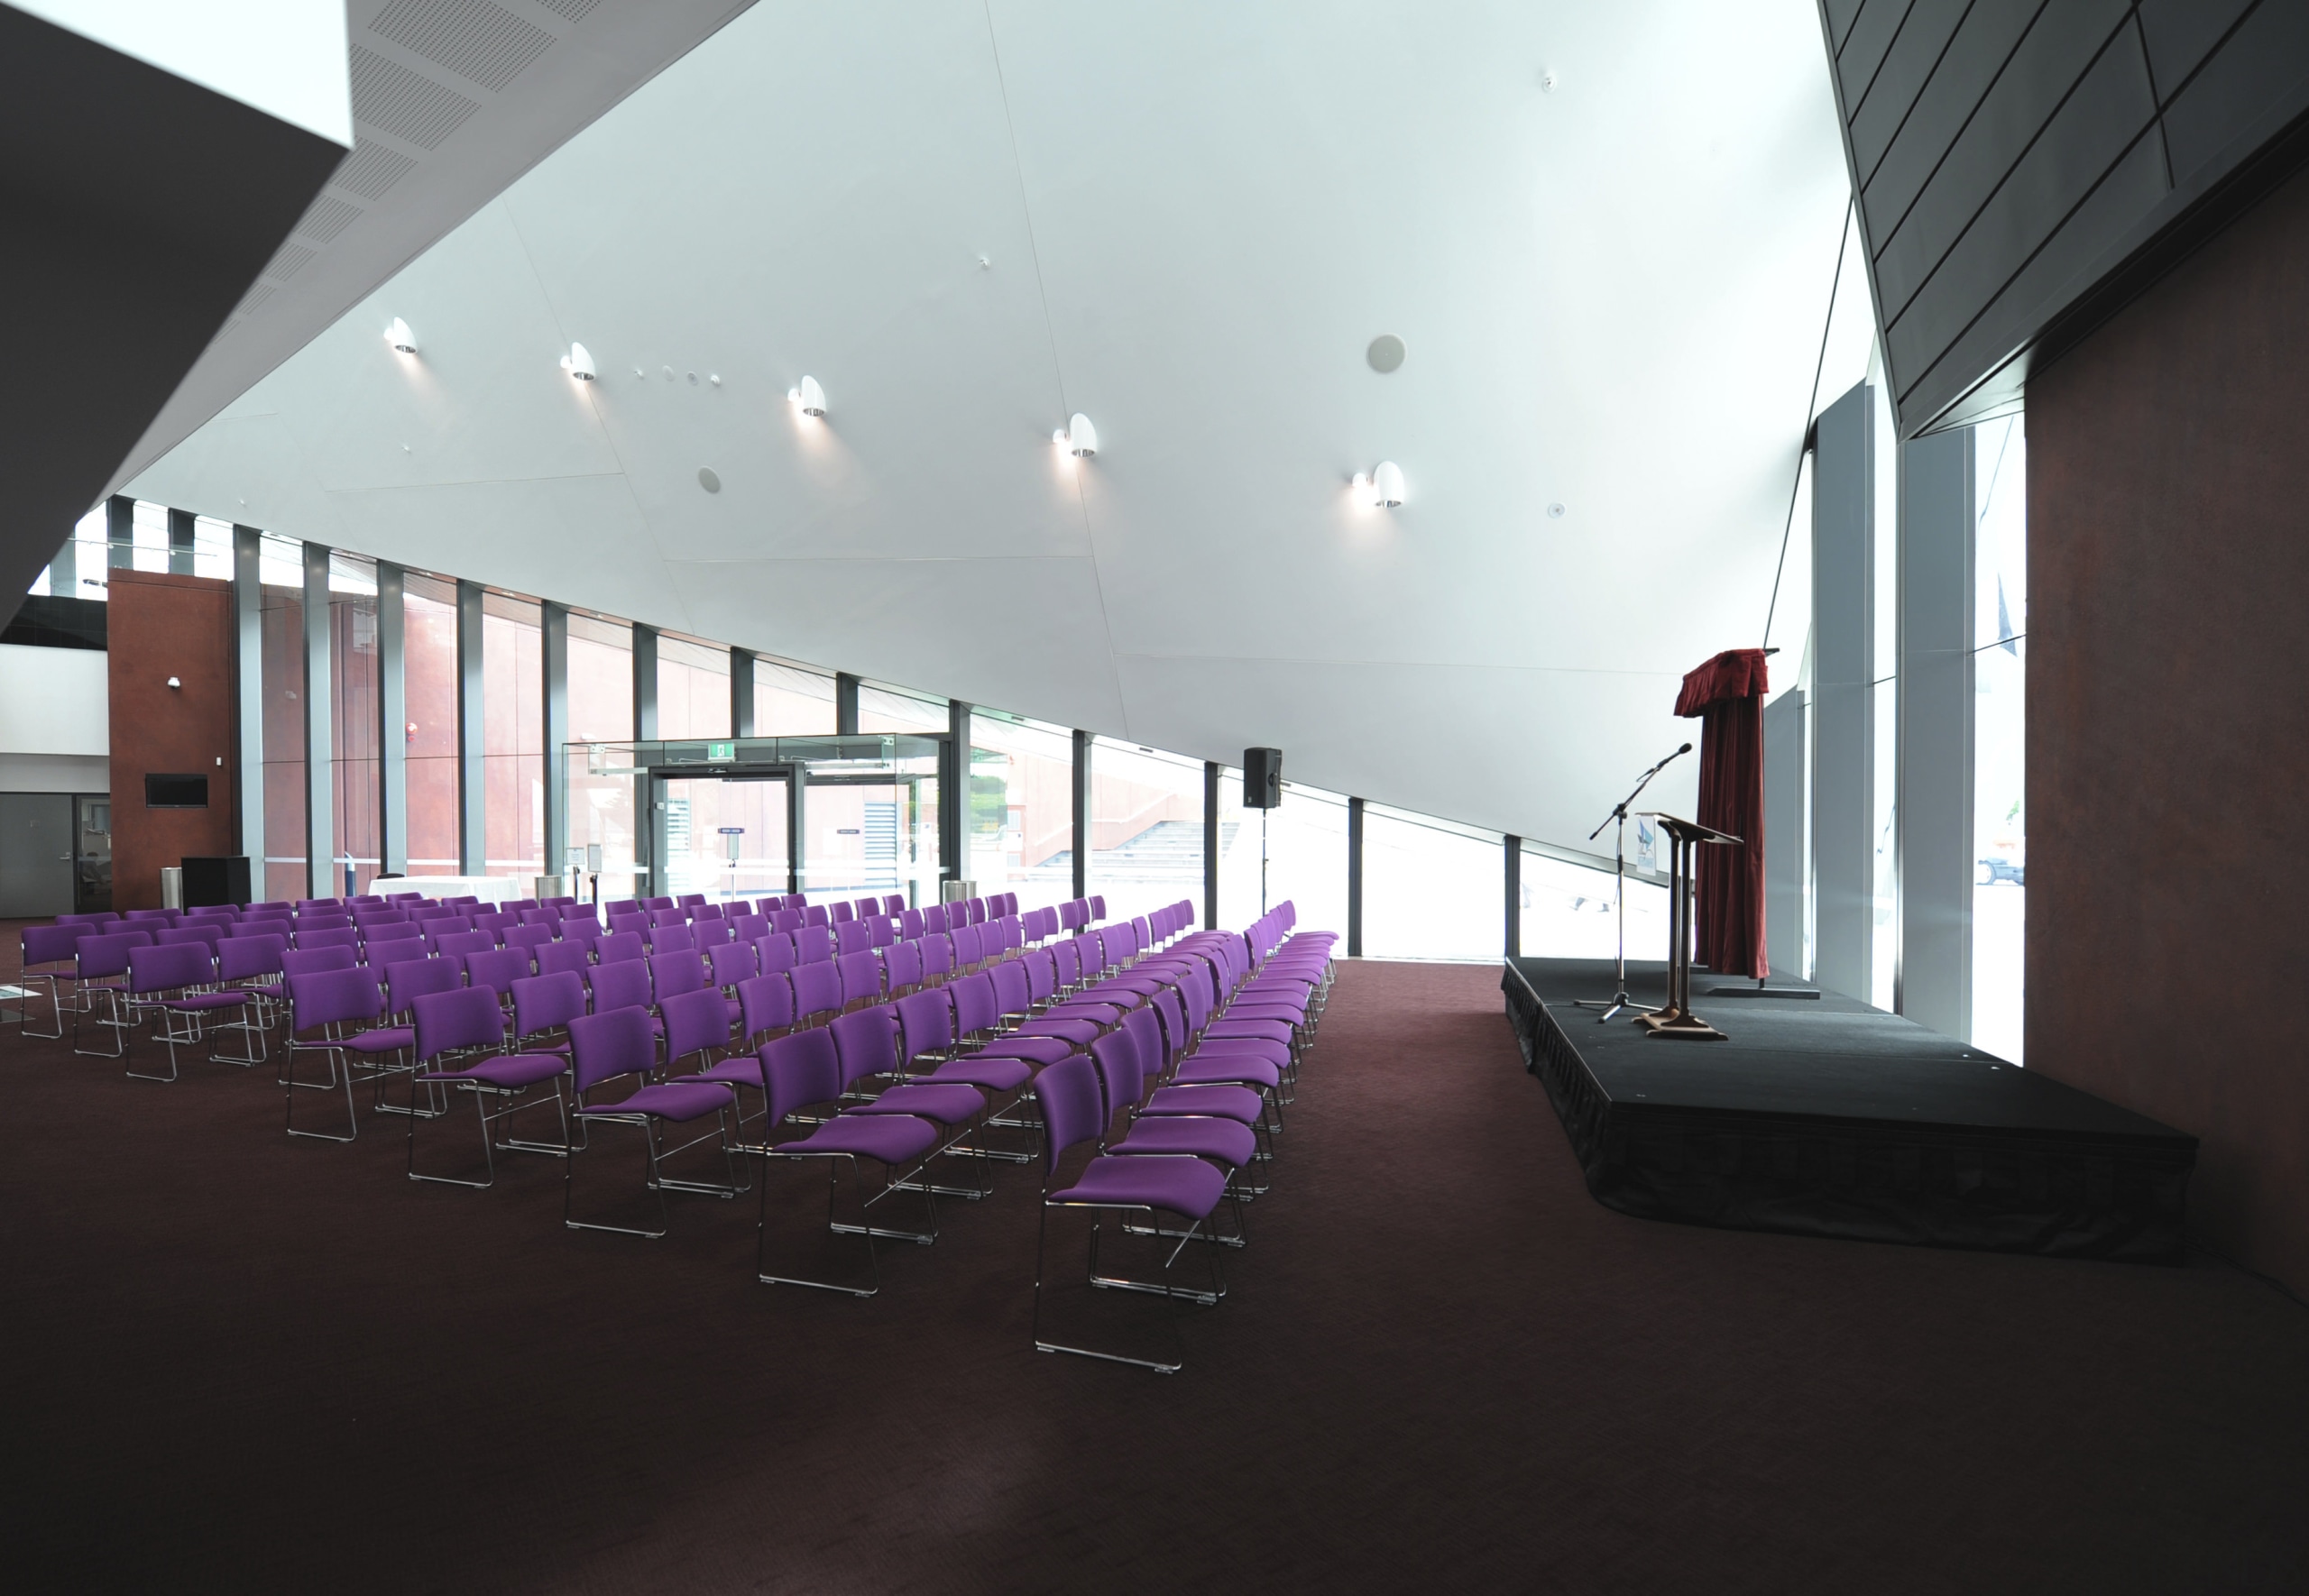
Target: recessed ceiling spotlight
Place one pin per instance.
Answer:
(1078, 436)
(1382, 487)
(1547, 83)
(1555, 512)
(808, 397)
(401, 337)
(708, 480)
(1386, 354)
(578, 362)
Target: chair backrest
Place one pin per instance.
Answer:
(894, 904)
(925, 1024)
(733, 962)
(498, 969)
(937, 955)
(748, 927)
(813, 944)
(851, 936)
(1147, 1032)
(867, 1043)
(108, 954)
(619, 925)
(334, 936)
(564, 959)
(621, 906)
(101, 917)
(330, 996)
(671, 938)
(798, 1070)
(1010, 992)
(881, 930)
(239, 959)
(1074, 914)
(776, 951)
(619, 948)
(843, 913)
(910, 925)
(969, 946)
(672, 973)
(1072, 1106)
(817, 990)
(702, 910)
(1039, 924)
(623, 983)
(459, 1017)
(711, 933)
(608, 1043)
(902, 965)
(695, 1021)
(527, 936)
(305, 961)
(1122, 1071)
(412, 978)
(1066, 960)
(183, 934)
(861, 974)
(933, 918)
(1042, 975)
(464, 941)
(767, 1003)
(496, 925)
(975, 1008)
(51, 944)
(1171, 1010)
(169, 916)
(688, 900)
(169, 965)
(1098, 907)
(547, 1002)
(815, 914)
(786, 919)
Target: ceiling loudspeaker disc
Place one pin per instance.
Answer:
(1386, 354)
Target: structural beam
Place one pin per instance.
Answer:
(1935, 811)
(553, 623)
(954, 805)
(392, 721)
(845, 704)
(742, 692)
(1082, 813)
(320, 734)
(1844, 674)
(248, 700)
(1353, 879)
(1210, 770)
(472, 723)
(180, 543)
(1787, 849)
(1513, 846)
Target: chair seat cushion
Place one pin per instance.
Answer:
(891, 1138)
(744, 1070)
(949, 1102)
(1218, 1070)
(684, 1099)
(1272, 1030)
(1244, 1047)
(1082, 1031)
(1110, 992)
(997, 1074)
(507, 1069)
(1035, 1049)
(391, 1039)
(1229, 1141)
(1237, 1102)
(1185, 1186)
(202, 1002)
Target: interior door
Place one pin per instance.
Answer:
(859, 839)
(93, 888)
(724, 837)
(36, 848)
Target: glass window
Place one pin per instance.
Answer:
(1999, 673)
(1022, 809)
(1145, 828)
(88, 556)
(512, 697)
(1430, 889)
(601, 710)
(1304, 843)
(212, 549)
(882, 709)
(355, 777)
(430, 678)
(1567, 911)
(281, 624)
(791, 701)
(150, 533)
(693, 689)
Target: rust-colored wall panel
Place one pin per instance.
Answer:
(163, 627)
(2168, 729)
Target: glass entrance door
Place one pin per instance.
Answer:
(868, 837)
(724, 837)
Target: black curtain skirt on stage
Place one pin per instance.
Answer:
(1829, 1118)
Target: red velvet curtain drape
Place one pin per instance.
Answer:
(1727, 694)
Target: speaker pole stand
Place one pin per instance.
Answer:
(1262, 815)
(1620, 1002)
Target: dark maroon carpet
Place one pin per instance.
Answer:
(236, 1363)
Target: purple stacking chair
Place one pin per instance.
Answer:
(498, 969)
(145, 916)
(585, 934)
(331, 936)
(620, 1046)
(817, 992)
(970, 947)
(460, 1047)
(174, 984)
(255, 964)
(851, 936)
(47, 961)
(1098, 908)
(100, 970)
(618, 924)
(301, 961)
(327, 1009)
(1074, 914)
(813, 944)
(1227, 1146)
(457, 944)
(868, 1044)
(934, 919)
(938, 959)
(672, 939)
(902, 967)
(748, 927)
(881, 930)
(804, 1070)
(622, 906)
(532, 937)
(911, 925)
(672, 973)
(624, 984)
(543, 1007)
(697, 1028)
(619, 948)
(733, 962)
(1073, 1112)
(765, 1005)
(775, 952)
(815, 914)
(708, 934)
(843, 912)
(384, 951)
(495, 924)
(788, 921)
(690, 900)
(860, 976)
(895, 903)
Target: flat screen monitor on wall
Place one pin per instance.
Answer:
(176, 791)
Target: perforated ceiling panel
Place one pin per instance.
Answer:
(413, 108)
(575, 9)
(476, 40)
(370, 170)
(326, 218)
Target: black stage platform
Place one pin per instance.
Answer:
(1828, 1117)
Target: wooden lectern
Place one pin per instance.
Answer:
(1677, 1020)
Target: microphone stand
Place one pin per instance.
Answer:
(1621, 1001)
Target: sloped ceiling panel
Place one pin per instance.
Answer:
(1606, 235)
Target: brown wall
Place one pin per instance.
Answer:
(163, 627)
(2168, 723)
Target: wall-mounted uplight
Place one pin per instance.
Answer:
(1382, 487)
(809, 398)
(401, 337)
(578, 362)
(1077, 438)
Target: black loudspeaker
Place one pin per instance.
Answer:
(1262, 779)
(215, 882)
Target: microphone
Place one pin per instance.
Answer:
(1685, 749)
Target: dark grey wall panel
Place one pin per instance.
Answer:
(2024, 167)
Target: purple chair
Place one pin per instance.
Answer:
(620, 948)
(733, 962)
(860, 976)
(748, 927)
(867, 1043)
(672, 939)
(697, 1024)
(672, 973)
(332, 935)
(383, 951)
(461, 1036)
(934, 919)
(544, 1005)
(708, 934)
(573, 958)
(813, 944)
(815, 914)
(328, 1008)
(788, 921)
(1073, 1110)
(624, 984)
(173, 983)
(817, 992)
(804, 1070)
(690, 900)
(765, 1003)
(895, 903)
(647, 903)
(970, 949)
(498, 969)
(532, 937)
(902, 966)
(255, 965)
(775, 952)
(48, 959)
(496, 925)
(911, 925)
(100, 970)
(1228, 1145)
(618, 1045)
(843, 912)
(937, 958)
(851, 936)
(457, 944)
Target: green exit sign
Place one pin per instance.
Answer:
(721, 750)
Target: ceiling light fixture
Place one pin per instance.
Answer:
(578, 362)
(1078, 436)
(809, 398)
(401, 337)
(1382, 487)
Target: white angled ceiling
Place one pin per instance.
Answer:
(1606, 233)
